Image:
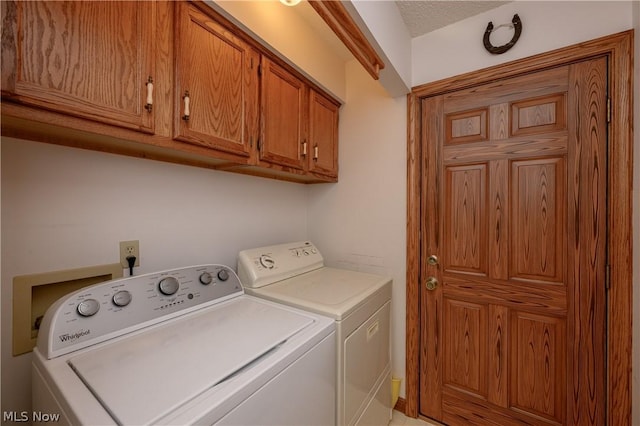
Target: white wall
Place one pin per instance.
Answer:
(546, 25)
(359, 223)
(68, 208)
(391, 40)
(285, 30)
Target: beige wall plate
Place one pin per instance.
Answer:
(33, 294)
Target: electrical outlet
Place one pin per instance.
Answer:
(129, 248)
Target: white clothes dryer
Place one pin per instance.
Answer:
(359, 303)
(183, 346)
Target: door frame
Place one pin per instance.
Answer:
(619, 50)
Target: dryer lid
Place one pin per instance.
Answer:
(328, 291)
(142, 378)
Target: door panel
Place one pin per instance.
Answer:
(465, 218)
(538, 373)
(539, 115)
(467, 126)
(464, 325)
(513, 203)
(537, 218)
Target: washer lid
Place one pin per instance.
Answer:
(142, 378)
(328, 291)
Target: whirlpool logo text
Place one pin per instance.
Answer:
(68, 337)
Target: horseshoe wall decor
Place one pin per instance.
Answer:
(516, 24)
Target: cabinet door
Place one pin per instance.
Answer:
(283, 131)
(218, 71)
(82, 58)
(323, 135)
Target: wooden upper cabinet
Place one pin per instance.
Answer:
(216, 84)
(323, 134)
(284, 97)
(175, 81)
(87, 59)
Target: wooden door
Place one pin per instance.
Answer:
(216, 98)
(87, 59)
(323, 135)
(284, 97)
(514, 211)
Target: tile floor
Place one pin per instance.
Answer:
(399, 419)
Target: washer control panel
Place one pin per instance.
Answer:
(102, 311)
(266, 265)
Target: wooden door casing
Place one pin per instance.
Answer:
(219, 70)
(64, 61)
(618, 48)
(514, 205)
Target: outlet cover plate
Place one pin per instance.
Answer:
(129, 248)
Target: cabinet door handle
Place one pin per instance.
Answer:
(315, 152)
(304, 148)
(149, 105)
(187, 101)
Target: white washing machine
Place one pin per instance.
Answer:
(360, 304)
(182, 346)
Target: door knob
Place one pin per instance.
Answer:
(431, 283)
(432, 260)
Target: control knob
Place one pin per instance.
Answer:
(267, 261)
(88, 307)
(223, 275)
(122, 298)
(168, 286)
(205, 278)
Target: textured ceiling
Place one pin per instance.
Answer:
(422, 17)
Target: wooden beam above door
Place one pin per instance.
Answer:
(342, 24)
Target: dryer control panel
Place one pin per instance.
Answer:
(266, 265)
(117, 307)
